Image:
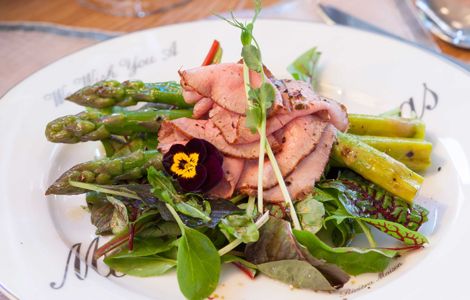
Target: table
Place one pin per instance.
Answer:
(69, 12)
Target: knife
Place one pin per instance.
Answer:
(337, 16)
(333, 15)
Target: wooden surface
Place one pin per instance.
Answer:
(69, 12)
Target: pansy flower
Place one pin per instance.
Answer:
(197, 166)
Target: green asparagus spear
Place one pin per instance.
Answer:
(116, 146)
(414, 153)
(376, 166)
(114, 93)
(386, 126)
(95, 125)
(107, 171)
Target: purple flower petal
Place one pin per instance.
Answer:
(194, 184)
(212, 150)
(175, 149)
(215, 172)
(197, 146)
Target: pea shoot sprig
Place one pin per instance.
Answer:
(260, 99)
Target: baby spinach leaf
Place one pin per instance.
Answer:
(354, 261)
(145, 266)
(297, 273)
(239, 227)
(310, 212)
(276, 242)
(198, 266)
(146, 247)
(192, 210)
(143, 260)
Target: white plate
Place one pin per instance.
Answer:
(369, 73)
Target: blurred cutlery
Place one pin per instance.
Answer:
(333, 15)
(447, 19)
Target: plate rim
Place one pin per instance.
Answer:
(443, 57)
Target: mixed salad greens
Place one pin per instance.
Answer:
(157, 225)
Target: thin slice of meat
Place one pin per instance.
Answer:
(300, 138)
(302, 180)
(206, 130)
(202, 107)
(274, 123)
(190, 96)
(300, 101)
(227, 122)
(299, 95)
(233, 168)
(223, 83)
(168, 136)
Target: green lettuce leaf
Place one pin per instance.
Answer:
(353, 260)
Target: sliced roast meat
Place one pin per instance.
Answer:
(228, 123)
(190, 96)
(202, 107)
(232, 168)
(300, 129)
(302, 180)
(206, 130)
(233, 127)
(223, 83)
(297, 104)
(277, 121)
(299, 95)
(168, 136)
(300, 137)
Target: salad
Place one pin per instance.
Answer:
(233, 165)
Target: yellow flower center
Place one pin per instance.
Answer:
(185, 165)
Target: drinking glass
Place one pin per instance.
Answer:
(132, 8)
